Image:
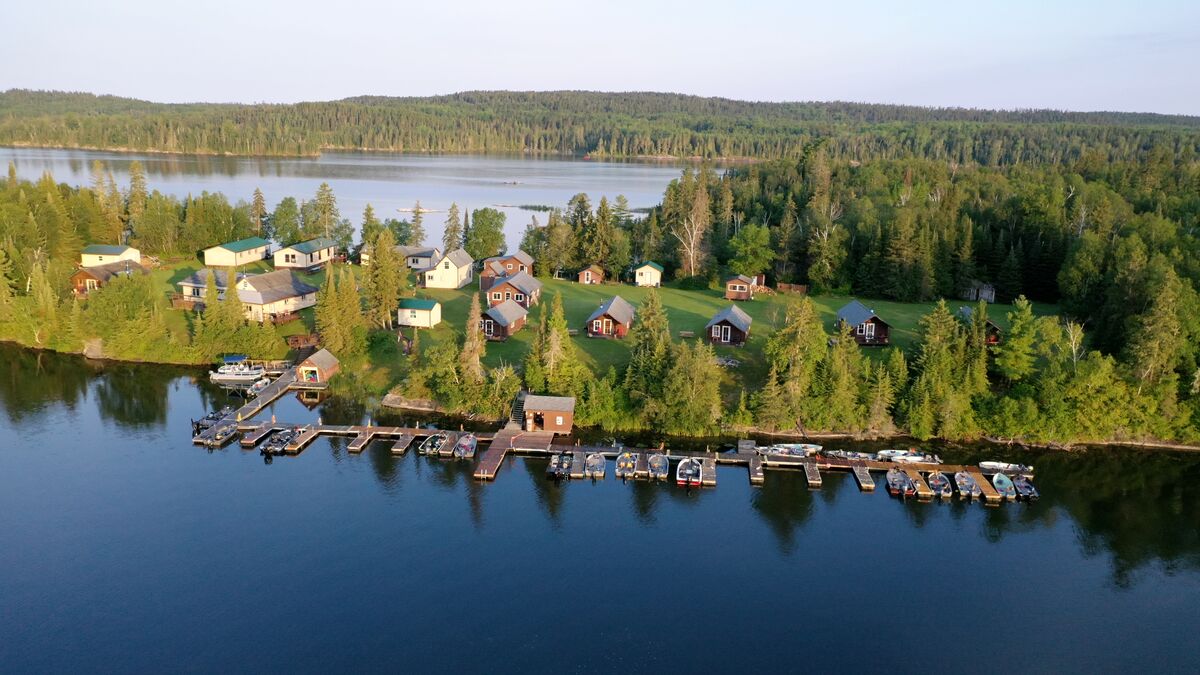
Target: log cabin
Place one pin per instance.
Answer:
(612, 319)
(867, 328)
(728, 327)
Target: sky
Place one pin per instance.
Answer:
(1061, 54)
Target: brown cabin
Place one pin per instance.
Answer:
(520, 288)
(550, 413)
(739, 287)
(502, 321)
(316, 370)
(993, 332)
(867, 328)
(612, 319)
(592, 274)
(501, 266)
(728, 327)
(87, 279)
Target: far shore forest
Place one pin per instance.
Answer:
(1094, 261)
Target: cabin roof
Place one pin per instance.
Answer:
(495, 266)
(314, 245)
(650, 263)
(593, 267)
(104, 249)
(459, 257)
(107, 271)
(551, 403)
(322, 359)
(520, 281)
(854, 313)
(418, 303)
(742, 278)
(200, 278)
(507, 313)
(419, 251)
(735, 316)
(617, 308)
(243, 244)
(273, 287)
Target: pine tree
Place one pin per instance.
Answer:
(416, 231)
(350, 314)
(649, 355)
(452, 235)
(797, 349)
(137, 191)
(384, 280)
(843, 375)
(471, 356)
(1158, 338)
(371, 227)
(334, 335)
(1015, 357)
(7, 283)
(258, 214)
(772, 410)
(691, 398)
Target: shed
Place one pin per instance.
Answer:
(316, 370)
(979, 290)
(502, 321)
(521, 287)
(235, 253)
(592, 274)
(419, 313)
(648, 273)
(730, 326)
(103, 254)
(993, 329)
(868, 329)
(550, 413)
(739, 287)
(612, 319)
(306, 255)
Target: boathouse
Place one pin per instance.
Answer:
(307, 255)
(648, 273)
(550, 413)
(867, 328)
(520, 287)
(730, 326)
(739, 287)
(87, 279)
(102, 254)
(419, 313)
(993, 330)
(501, 266)
(502, 321)
(612, 319)
(592, 274)
(235, 253)
(317, 370)
(453, 270)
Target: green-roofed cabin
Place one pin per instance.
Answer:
(307, 255)
(237, 253)
(419, 313)
(648, 273)
(104, 254)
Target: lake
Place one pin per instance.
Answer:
(387, 181)
(127, 548)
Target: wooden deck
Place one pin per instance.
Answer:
(708, 478)
(756, 471)
(252, 437)
(267, 396)
(812, 474)
(402, 443)
(306, 436)
(578, 457)
(923, 489)
(865, 482)
(447, 449)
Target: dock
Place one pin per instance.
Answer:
(361, 441)
(306, 436)
(989, 492)
(447, 449)
(708, 477)
(812, 474)
(865, 482)
(756, 471)
(402, 443)
(923, 489)
(511, 440)
(253, 437)
(267, 396)
(578, 458)
(641, 469)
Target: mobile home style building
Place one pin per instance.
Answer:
(237, 253)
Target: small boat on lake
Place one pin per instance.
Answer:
(560, 465)
(658, 465)
(849, 455)
(626, 465)
(465, 447)
(213, 417)
(940, 485)
(236, 371)
(433, 443)
(1025, 488)
(278, 442)
(1004, 486)
(258, 387)
(908, 457)
(223, 434)
(689, 472)
(793, 449)
(967, 487)
(594, 465)
(1006, 467)
(899, 484)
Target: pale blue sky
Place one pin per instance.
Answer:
(1077, 55)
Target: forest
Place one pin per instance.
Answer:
(613, 125)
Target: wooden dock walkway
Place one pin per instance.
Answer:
(447, 449)
(490, 461)
(989, 492)
(756, 471)
(267, 396)
(641, 468)
(812, 474)
(578, 458)
(402, 443)
(306, 436)
(708, 477)
(252, 437)
(865, 482)
(923, 489)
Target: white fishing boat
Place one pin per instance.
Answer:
(793, 449)
(594, 465)
(658, 465)
(465, 447)
(689, 472)
(258, 387)
(1006, 467)
(626, 465)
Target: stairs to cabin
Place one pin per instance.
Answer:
(518, 411)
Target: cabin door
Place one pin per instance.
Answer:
(608, 327)
(487, 326)
(725, 334)
(869, 331)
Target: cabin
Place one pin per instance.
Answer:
(867, 328)
(88, 279)
(102, 254)
(419, 313)
(453, 270)
(502, 321)
(729, 327)
(993, 330)
(977, 290)
(550, 413)
(317, 370)
(275, 296)
(592, 274)
(648, 273)
(193, 286)
(307, 255)
(611, 320)
(237, 253)
(739, 287)
(520, 287)
(500, 266)
(415, 257)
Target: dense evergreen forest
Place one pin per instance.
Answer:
(597, 124)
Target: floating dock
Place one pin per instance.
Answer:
(863, 475)
(578, 458)
(402, 443)
(923, 489)
(708, 477)
(812, 474)
(989, 492)
(756, 471)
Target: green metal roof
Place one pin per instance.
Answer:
(244, 244)
(104, 249)
(650, 263)
(417, 303)
(314, 245)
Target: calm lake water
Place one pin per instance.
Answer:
(387, 181)
(126, 548)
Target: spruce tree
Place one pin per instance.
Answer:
(1015, 357)
(649, 354)
(416, 228)
(384, 280)
(471, 356)
(452, 235)
(350, 314)
(258, 214)
(371, 227)
(137, 191)
(772, 411)
(328, 318)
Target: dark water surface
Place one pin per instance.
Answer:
(125, 548)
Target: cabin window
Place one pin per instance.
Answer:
(508, 266)
(716, 332)
(289, 257)
(519, 298)
(496, 296)
(507, 295)
(596, 326)
(523, 268)
(860, 329)
(195, 291)
(446, 265)
(412, 313)
(869, 330)
(558, 420)
(587, 277)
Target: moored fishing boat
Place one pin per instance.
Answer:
(689, 472)
(899, 484)
(1006, 467)
(223, 433)
(658, 465)
(258, 387)
(792, 449)
(465, 447)
(432, 443)
(940, 485)
(213, 417)
(1025, 488)
(278, 442)
(594, 465)
(560, 465)
(1004, 486)
(967, 487)
(236, 371)
(626, 465)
